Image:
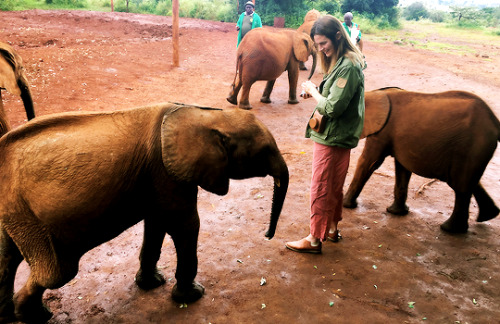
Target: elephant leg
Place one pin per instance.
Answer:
(52, 264)
(10, 258)
(28, 303)
(370, 160)
(266, 95)
(487, 208)
(233, 95)
(245, 94)
(399, 206)
(185, 238)
(293, 77)
(458, 221)
(148, 276)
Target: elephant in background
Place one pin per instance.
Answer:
(13, 79)
(72, 181)
(264, 54)
(309, 20)
(450, 136)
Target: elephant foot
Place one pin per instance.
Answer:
(396, 209)
(232, 100)
(265, 100)
(486, 215)
(245, 106)
(150, 280)
(452, 226)
(293, 101)
(188, 295)
(350, 203)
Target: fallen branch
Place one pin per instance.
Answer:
(422, 187)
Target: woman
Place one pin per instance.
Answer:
(341, 99)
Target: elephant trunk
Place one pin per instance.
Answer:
(281, 179)
(313, 68)
(26, 97)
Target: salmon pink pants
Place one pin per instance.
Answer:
(329, 170)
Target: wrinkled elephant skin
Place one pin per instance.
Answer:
(72, 181)
(450, 136)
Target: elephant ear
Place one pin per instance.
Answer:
(8, 79)
(193, 152)
(301, 46)
(377, 110)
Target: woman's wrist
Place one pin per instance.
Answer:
(316, 95)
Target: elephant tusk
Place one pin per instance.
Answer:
(277, 182)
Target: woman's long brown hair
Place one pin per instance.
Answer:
(328, 26)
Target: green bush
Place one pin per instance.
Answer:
(370, 23)
(328, 6)
(7, 5)
(146, 6)
(415, 11)
(68, 3)
(163, 8)
(437, 16)
(219, 10)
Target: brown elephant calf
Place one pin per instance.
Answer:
(450, 136)
(73, 181)
(264, 54)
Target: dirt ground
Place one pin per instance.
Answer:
(387, 269)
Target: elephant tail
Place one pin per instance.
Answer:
(238, 70)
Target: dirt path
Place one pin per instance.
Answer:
(386, 270)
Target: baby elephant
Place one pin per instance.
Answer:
(73, 181)
(264, 54)
(450, 136)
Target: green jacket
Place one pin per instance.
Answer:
(343, 101)
(256, 22)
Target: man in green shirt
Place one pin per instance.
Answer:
(353, 30)
(248, 20)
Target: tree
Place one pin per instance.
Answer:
(465, 13)
(415, 11)
(330, 6)
(376, 7)
(292, 10)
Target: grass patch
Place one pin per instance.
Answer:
(445, 48)
(434, 37)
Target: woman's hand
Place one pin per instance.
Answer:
(309, 90)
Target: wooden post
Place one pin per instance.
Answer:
(112, 6)
(175, 32)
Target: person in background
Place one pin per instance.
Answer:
(248, 20)
(353, 31)
(340, 98)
